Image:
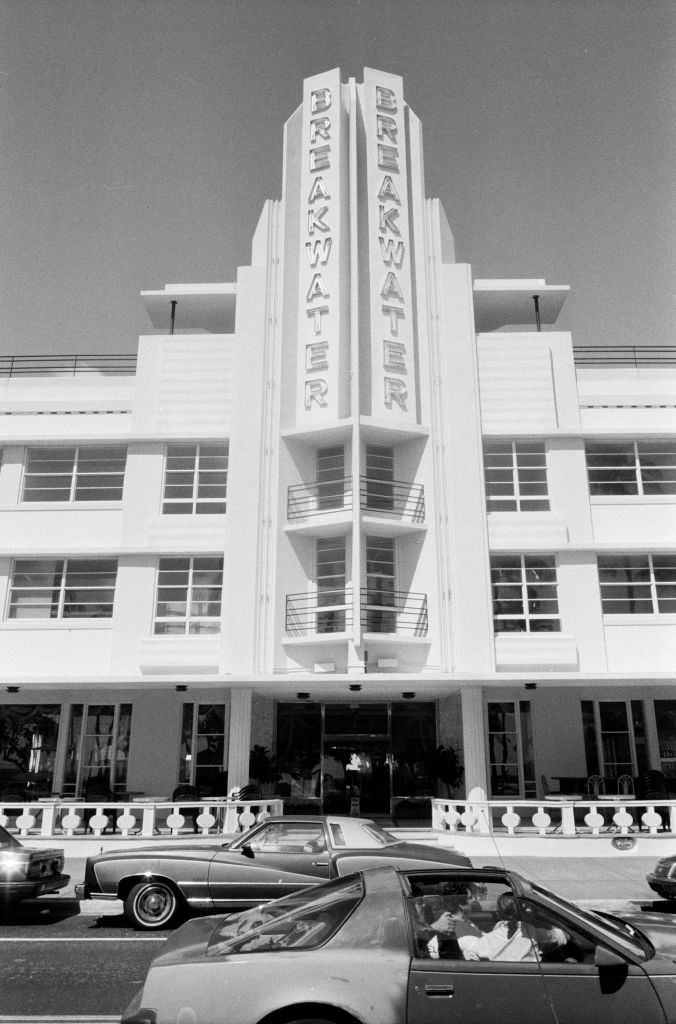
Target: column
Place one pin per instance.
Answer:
(474, 743)
(239, 739)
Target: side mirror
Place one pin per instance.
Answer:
(604, 957)
(247, 850)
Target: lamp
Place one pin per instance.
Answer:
(355, 687)
(408, 695)
(303, 696)
(181, 688)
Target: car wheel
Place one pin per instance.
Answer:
(152, 905)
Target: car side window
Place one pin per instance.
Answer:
(289, 837)
(573, 945)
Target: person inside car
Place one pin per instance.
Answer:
(510, 939)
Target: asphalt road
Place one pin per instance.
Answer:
(81, 963)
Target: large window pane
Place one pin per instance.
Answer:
(196, 479)
(189, 592)
(28, 739)
(85, 473)
(63, 588)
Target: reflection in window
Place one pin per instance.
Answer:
(524, 594)
(62, 588)
(631, 467)
(99, 736)
(203, 748)
(28, 738)
(330, 554)
(637, 584)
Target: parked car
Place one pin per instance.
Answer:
(663, 879)
(26, 872)
(359, 950)
(280, 855)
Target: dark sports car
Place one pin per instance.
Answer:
(279, 856)
(26, 872)
(663, 879)
(393, 946)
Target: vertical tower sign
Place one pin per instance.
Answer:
(323, 285)
(391, 297)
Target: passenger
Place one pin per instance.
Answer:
(510, 939)
(442, 943)
(459, 906)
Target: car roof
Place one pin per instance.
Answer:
(336, 819)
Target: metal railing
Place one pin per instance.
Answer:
(325, 613)
(66, 365)
(397, 611)
(625, 355)
(144, 818)
(551, 816)
(392, 498)
(318, 498)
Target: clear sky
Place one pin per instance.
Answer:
(139, 140)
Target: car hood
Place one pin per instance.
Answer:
(659, 928)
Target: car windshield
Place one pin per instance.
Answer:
(634, 941)
(7, 840)
(304, 920)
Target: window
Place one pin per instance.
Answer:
(637, 584)
(63, 588)
(516, 476)
(189, 595)
(202, 757)
(380, 585)
(631, 467)
(195, 479)
(98, 747)
(524, 594)
(28, 739)
(379, 477)
(331, 585)
(330, 477)
(87, 473)
(615, 738)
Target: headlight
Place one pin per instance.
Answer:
(10, 865)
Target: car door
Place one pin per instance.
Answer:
(281, 857)
(474, 992)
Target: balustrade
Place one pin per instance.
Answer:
(555, 816)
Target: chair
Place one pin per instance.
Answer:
(596, 786)
(544, 783)
(249, 792)
(625, 785)
(651, 786)
(186, 792)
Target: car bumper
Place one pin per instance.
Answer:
(83, 891)
(27, 889)
(663, 886)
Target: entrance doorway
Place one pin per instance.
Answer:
(511, 749)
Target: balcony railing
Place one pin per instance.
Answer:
(325, 613)
(66, 366)
(397, 611)
(317, 499)
(625, 355)
(392, 498)
(142, 818)
(555, 817)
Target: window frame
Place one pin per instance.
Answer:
(200, 477)
(516, 450)
(650, 587)
(58, 606)
(188, 618)
(637, 470)
(76, 477)
(527, 564)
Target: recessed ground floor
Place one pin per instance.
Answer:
(374, 754)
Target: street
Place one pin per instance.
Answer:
(60, 959)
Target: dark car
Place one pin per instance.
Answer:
(280, 855)
(26, 872)
(365, 949)
(663, 879)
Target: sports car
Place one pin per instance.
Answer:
(26, 872)
(368, 949)
(160, 883)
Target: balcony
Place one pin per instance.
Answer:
(633, 356)
(392, 498)
(320, 616)
(308, 501)
(67, 365)
(395, 611)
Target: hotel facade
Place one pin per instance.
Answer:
(355, 508)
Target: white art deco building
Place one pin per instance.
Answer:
(353, 504)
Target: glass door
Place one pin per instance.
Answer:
(510, 749)
(357, 759)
